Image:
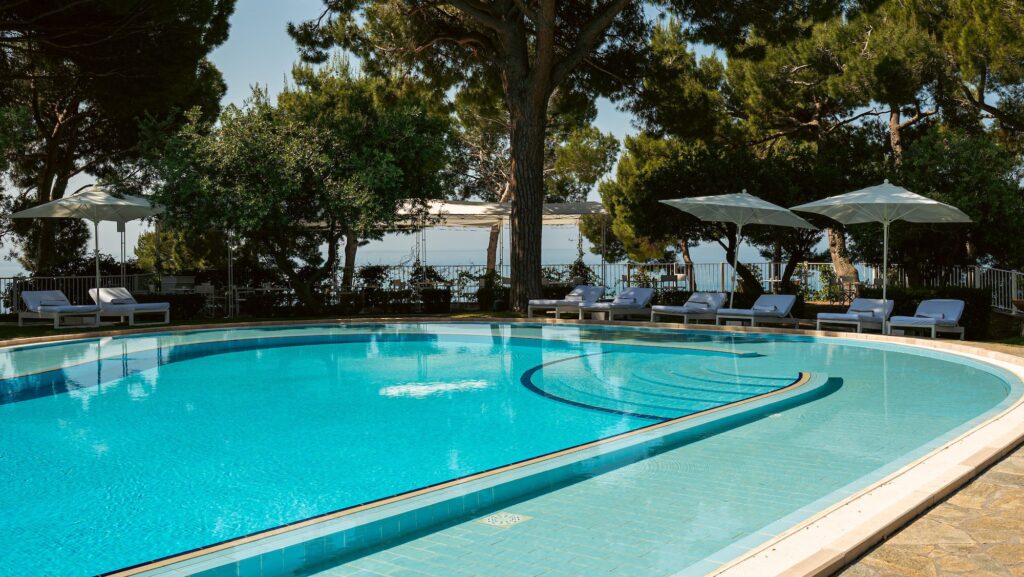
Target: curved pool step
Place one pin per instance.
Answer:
(659, 391)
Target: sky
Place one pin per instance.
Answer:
(260, 52)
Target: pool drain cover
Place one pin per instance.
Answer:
(503, 519)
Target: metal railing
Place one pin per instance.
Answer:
(812, 279)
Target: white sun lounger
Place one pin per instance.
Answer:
(630, 302)
(700, 306)
(862, 314)
(936, 315)
(767, 309)
(54, 305)
(118, 302)
(570, 304)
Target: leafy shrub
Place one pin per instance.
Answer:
(436, 300)
(492, 299)
(977, 304)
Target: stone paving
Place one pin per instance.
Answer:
(978, 532)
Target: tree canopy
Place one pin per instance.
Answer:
(335, 157)
(84, 74)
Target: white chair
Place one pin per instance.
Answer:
(767, 309)
(700, 306)
(54, 305)
(571, 302)
(630, 302)
(862, 314)
(936, 315)
(118, 302)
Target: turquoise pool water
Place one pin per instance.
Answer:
(118, 451)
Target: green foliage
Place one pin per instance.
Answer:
(338, 155)
(972, 172)
(86, 73)
(177, 252)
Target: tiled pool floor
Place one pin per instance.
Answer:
(637, 521)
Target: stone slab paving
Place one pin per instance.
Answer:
(977, 532)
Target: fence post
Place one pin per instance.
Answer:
(721, 270)
(1013, 289)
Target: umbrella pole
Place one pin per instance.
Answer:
(123, 275)
(885, 267)
(604, 249)
(735, 261)
(96, 246)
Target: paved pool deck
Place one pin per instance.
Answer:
(977, 532)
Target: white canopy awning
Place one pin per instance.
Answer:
(476, 214)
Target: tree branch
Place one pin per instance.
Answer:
(588, 38)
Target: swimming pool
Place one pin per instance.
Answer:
(117, 451)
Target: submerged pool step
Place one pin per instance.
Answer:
(658, 391)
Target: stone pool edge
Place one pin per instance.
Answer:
(830, 539)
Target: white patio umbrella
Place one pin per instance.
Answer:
(94, 204)
(884, 203)
(740, 209)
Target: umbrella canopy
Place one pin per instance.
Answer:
(473, 214)
(95, 204)
(884, 203)
(740, 209)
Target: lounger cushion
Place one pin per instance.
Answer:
(67, 309)
(128, 301)
(552, 302)
(613, 305)
(638, 296)
(854, 317)
(150, 307)
(34, 299)
(764, 308)
(930, 315)
(749, 313)
(921, 322)
(950, 309)
(687, 309)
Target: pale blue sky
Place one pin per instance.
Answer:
(260, 52)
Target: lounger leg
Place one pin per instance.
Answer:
(529, 313)
(933, 332)
(56, 321)
(654, 317)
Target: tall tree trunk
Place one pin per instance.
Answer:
(492, 241)
(349, 269)
(840, 256)
(492, 247)
(684, 251)
(895, 135)
(748, 282)
(527, 190)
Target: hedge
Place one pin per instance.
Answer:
(977, 304)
